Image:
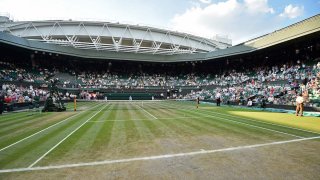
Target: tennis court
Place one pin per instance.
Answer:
(158, 140)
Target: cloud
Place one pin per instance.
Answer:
(240, 20)
(258, 6)
(205, 1)
(292, 12)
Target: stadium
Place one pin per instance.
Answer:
(106, 100)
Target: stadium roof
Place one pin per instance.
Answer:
(300, 29)
(107, 36)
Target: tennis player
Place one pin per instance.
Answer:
(198, 101)
(299, 103)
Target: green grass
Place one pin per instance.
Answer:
(124, 130)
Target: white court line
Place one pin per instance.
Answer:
(147, 112)
(258, 127)
(45, 129)
(238, 122)
(35, 162)
(148, 158)
(182, 117)
(102, 121)
(249, 119)
(192, 109)
(266, 122)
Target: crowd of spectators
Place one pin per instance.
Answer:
(10, 72)
(107, 80)
(144, 80)
(278, 84)
(20, 94)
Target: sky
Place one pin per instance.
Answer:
(240, 20)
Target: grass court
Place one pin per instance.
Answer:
(158, 140)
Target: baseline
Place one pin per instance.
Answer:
(157, 157)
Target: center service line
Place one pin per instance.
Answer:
(65, 138)
(147, 112)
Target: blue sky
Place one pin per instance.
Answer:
(241, 20)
